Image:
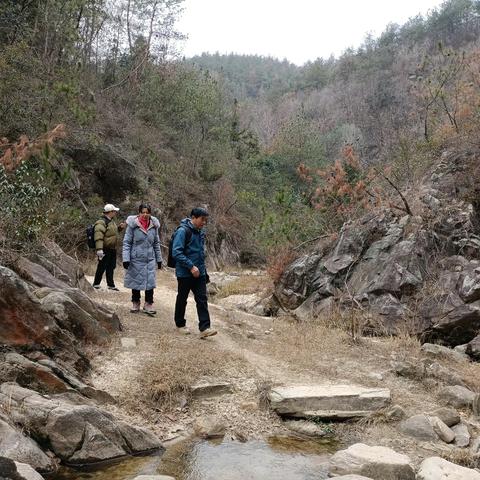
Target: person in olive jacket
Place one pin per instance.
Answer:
(106, 237)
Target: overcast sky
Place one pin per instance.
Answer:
(299, 30)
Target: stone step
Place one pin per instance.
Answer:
(206, 389)
(328, 401)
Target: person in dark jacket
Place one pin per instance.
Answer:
(142, 256)
(188, 251)
(106, 237)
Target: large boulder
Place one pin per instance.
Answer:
(108, 319)
(448, 416)
(473, 348)
(16, 446)
(33, 375)
(63, 266)
(439, 351)
(462, 435)
(420, 427)
(436, 468)
(37, 274)
(457, 396)
(23, 321)
(451, 320)
(378, 463)
(296, 283)
(76, 433)
(396, 271)
(55, 325)
(74, 319)
(11, 470)
(327, 401)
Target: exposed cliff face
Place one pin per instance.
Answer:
(420, 272)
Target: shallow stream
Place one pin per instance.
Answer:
(279, 458)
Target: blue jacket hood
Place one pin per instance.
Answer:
(187, 222)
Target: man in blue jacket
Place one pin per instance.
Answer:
(188, 251)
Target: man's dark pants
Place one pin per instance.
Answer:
(198, 286)
(106, 265)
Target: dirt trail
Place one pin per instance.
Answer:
(241, 336)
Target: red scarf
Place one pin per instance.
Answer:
(144, 222)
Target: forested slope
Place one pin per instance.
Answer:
(254, 138)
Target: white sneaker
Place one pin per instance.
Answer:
(209, 332)
(148, 308)
(135, 307)
(184, 331)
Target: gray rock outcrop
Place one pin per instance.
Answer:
(380, 262)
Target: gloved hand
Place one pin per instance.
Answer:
(100, 254)
(126, 265)
(159, 265)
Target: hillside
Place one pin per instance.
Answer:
(343, 249)
(229, 131)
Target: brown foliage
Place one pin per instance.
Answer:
(342, 189)
(13, 154)
(277, 262)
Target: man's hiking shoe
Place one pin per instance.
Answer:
(148, 309)
(114, 289)
(135, 307)
(96, 287)
(183, 331)
(209, 332)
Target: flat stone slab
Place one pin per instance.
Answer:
(436, 468)
(206, 389)
(328, 401)
(128, 342)
(153, 477)
(353, 477)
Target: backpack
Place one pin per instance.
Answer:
(171, 262)
(91, 237)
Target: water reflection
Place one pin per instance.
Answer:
(281, 458)
(126, 470)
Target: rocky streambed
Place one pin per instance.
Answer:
(55, 422)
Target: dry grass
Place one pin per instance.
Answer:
(464, 457)
(166, 380)
(245, 286)
(263, 388)
(310, 345)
